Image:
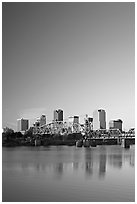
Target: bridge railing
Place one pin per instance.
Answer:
(60, 127)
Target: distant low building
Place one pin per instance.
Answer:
(116, 124)
(74, 119)
(90, 120)
(22, 124)
(74, 123)
(43, 120)
(37, 123)
(88, 123)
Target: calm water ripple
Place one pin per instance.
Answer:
(62, 173)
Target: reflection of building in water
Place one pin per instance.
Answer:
(132, 160)
(30, 166)
(115, 160)
(89, 168)
(88, 162)
(102, 164)
(75, 165)
(59, 168)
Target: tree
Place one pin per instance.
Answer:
(8, 130)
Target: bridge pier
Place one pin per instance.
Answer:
(126, 142)
(37, 142)
(119, 140)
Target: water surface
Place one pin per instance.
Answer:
(62, 173)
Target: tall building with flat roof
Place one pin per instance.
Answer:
(116, 124)
(22, 124)
(99, 119)
(55, 115)
(58, 115)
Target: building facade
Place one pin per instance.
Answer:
(99, 119)
(58, 115)
(74, 119)
(90, 120)
(74, 123)
(22, 124)
(43, 120)
(116, 124)
(88, 123)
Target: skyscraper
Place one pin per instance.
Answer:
(58, 115)
(22, 124)
(55, 115)
(99, 119)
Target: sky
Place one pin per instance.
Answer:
(77, 57)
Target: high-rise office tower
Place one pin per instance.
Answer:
(55, 115)
(22, 124)
(99, 119)
(115, 124)
(58, 115)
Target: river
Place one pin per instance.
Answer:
(68, 173)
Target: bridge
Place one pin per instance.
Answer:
(96, 137)
(124, 142)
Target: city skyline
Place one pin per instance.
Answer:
(98, 120)
(75, 56)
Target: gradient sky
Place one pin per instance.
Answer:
(74, 56)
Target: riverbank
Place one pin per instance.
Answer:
(74, 139)
(41, 140)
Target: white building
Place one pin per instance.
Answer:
(99, 119)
